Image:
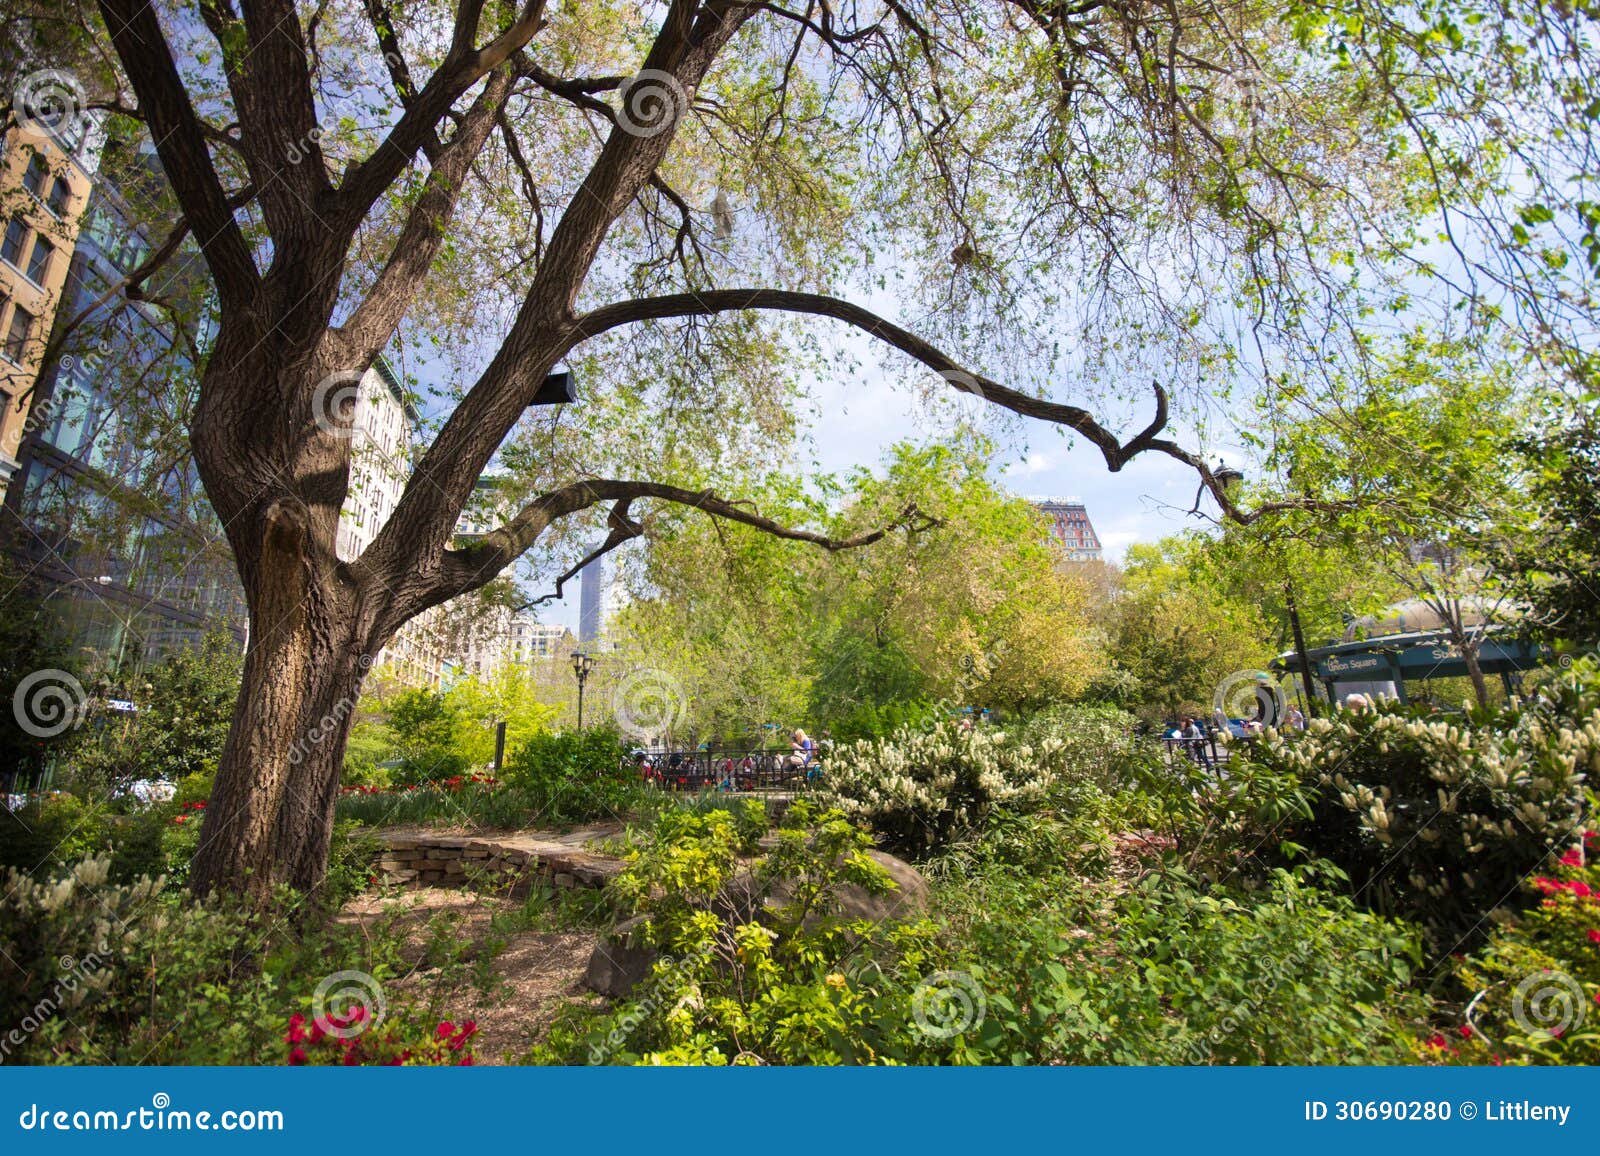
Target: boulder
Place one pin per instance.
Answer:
(620, 960)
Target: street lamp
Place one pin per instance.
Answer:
(582, 664)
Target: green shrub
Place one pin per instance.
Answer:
(574, 776)
(1533, 989)
(1438, 820)
(138, 973)
(1096, 743)
(51, 832)
(756, 965)
(1171, 973)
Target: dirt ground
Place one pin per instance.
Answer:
(543, 970)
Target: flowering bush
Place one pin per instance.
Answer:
(1440, 819)
(343, 1040)
(918, 791)
(1531, 994)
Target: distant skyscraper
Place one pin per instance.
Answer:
(590, 593)
(1071, 528)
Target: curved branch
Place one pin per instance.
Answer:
(728, 300)
(467, 569)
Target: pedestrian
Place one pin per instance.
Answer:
(1295, 719)
(1195, 740)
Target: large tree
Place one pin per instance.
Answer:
(1078, 192)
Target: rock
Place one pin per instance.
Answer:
(908, 900)
(620, 959)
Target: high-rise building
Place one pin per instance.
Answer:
(1070, 528)
(46, 172)
(591, 595)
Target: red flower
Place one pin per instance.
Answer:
(444, 1030)
(1496, 1061)
(297, 1031)
(1594, 935)
(1557, 1032)
(1573, 858)
(179, 818)
(1580, 889)
(1438, 1041)
(467, 1030)
(297, 1056)
(1466, 1031)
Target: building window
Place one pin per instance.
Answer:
(37, 176)
(16, 242)
(60, 194)
(39, 261)
(17, 334)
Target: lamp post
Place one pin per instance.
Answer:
(582, 664)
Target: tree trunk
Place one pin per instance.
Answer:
(1469, 655)
(270, 817)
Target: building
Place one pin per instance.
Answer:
(383, 435)
(1070, 528)
(46, 174)
(591, 584)
(99, 505)
(533, 641)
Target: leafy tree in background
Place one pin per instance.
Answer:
(1414, 470)
(31, 640)
(184, 709)
(1554, 569)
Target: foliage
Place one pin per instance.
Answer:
(574, 776)
(424, 727)
(1177, 632)
(1438, 819)
(1535, 985)
(31, 640)
(50, 831)
(757, 966)
(1551, 570)
(974, 607)
(185, 708)
(135, 973)
(919, 790)
(1174, 973)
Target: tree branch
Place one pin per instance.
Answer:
(373, 323)
(180, 141)
(469, 568)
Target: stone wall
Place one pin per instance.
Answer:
(508, 861)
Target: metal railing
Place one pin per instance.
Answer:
(724, 770)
